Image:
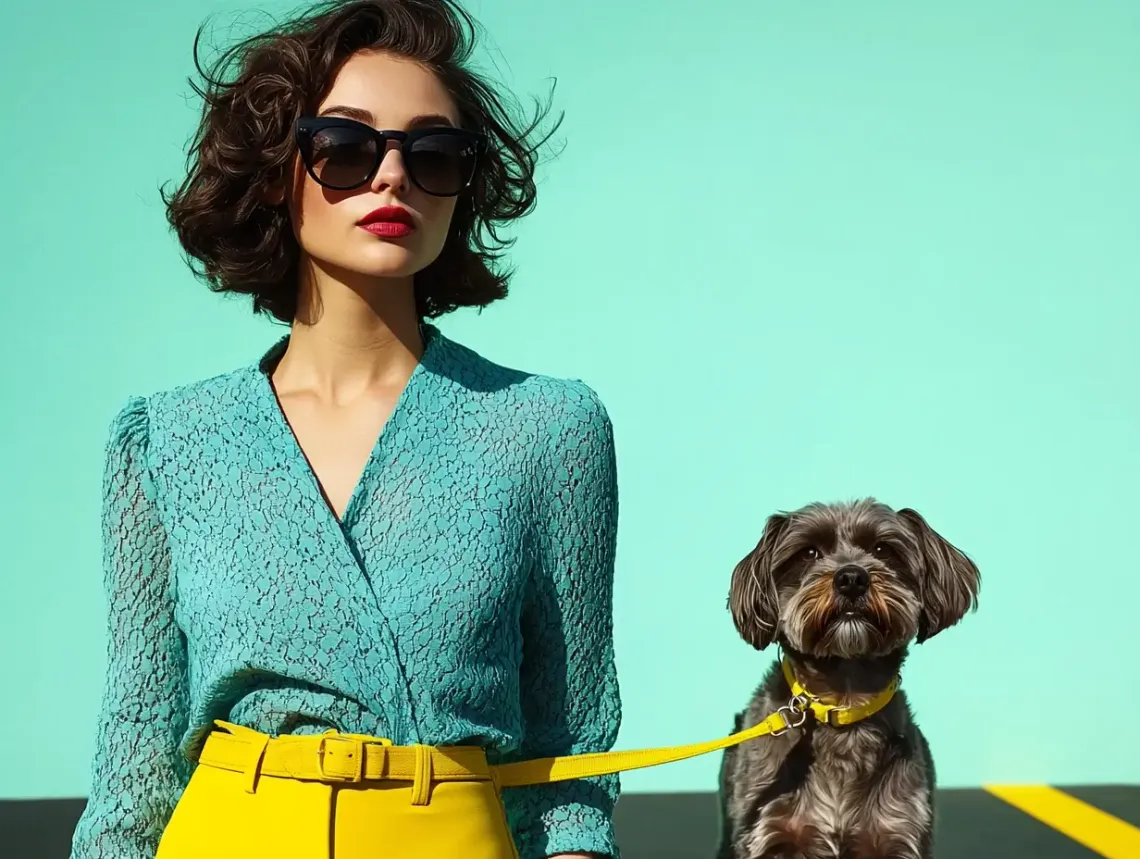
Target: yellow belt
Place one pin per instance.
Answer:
(339, 757)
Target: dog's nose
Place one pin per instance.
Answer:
(852, 581)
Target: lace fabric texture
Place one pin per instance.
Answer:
(464, 597)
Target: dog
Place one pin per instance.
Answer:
(843, 589)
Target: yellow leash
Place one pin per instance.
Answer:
(791, 715)
(339, 757)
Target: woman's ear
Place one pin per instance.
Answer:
(279, 184)
(273, 194)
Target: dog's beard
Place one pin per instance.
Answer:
(822, 623)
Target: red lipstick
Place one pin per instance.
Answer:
(389, 222)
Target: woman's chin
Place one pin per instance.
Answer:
(388, 262)
(388, 258)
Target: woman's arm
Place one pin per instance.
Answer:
(569, 685)
(138, 772)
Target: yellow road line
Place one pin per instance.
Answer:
(1097, 830)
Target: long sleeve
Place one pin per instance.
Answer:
(138, 772)
(570, 697)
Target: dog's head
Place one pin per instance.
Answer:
(850, 580)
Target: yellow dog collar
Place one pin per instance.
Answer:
(834, 715)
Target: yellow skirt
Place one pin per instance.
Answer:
(336, 796)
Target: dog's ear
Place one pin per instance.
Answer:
(950, 580)
(752, 596)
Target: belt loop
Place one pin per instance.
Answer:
(421, 786)
(236, 730)
(253, 768)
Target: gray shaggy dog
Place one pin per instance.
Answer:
(842, 589)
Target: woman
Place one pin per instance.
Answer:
(371, 532)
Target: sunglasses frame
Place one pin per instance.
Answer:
(308, 126)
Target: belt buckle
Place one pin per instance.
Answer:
(352, 752)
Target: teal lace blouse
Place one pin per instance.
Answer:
(464, 597)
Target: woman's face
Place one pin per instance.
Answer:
(387, 93)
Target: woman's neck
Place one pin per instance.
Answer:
(347, 340)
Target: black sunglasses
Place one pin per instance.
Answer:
(343, 154)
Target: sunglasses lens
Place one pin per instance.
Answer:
(342, 157)
(442, 163)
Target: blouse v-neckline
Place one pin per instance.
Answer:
(294, 453)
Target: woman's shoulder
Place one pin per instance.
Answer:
(569, 404)
(510, 392)
(141, 416)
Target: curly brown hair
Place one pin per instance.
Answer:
(239, 243)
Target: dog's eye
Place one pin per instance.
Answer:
(882, 551)
(811, 553)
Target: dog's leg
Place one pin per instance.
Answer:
(926, 844)
(726, 848)
(769, 813)
(781, 833)
(786, 846)
(898, 819)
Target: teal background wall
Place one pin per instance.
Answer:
(803, 250)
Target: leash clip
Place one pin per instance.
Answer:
(794, 714)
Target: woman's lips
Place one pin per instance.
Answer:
(389, 229)
(389, 222)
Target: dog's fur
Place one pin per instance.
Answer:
(861, 791)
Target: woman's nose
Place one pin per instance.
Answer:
(391, 173)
